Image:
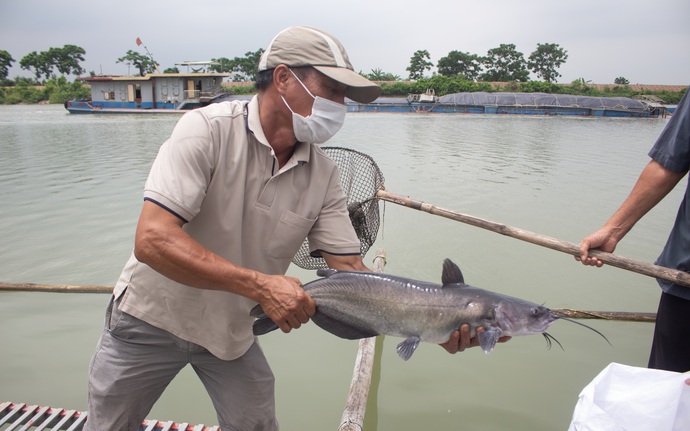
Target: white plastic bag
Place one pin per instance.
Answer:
(629, 398)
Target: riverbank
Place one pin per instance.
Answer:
(502, 85)
(59, 91)
(442, 85)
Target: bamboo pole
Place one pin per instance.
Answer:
(56, 288)
(605, 315)
(656, 271)
(353, 414)
(564, 312)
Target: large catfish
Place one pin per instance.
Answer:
(354, 304)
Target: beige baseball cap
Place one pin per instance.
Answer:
(307, 46)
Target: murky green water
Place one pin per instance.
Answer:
(70, 193)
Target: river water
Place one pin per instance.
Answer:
(71, 191)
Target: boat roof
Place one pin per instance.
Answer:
(197, 63)
(150, 76)
(482, 98)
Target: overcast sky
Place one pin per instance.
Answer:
(647, 42)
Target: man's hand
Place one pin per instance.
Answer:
(285, 302)
(460, 339)
(602, 239)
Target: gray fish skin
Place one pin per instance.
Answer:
(353, 305)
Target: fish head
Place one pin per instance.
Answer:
(523, 318)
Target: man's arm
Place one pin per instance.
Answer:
(162, 244)
(654, 183)
(345, 263)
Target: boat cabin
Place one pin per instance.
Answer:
(155, 91)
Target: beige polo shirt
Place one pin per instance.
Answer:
(218, 173)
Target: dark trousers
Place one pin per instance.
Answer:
(671, 344)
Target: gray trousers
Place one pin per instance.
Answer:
(134, 362)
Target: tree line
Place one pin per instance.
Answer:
(456, 72)
(504, 63)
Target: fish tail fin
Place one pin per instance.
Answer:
(257, 312)
(263, 325)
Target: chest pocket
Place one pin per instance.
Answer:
(288, 235)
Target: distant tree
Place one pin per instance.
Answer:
(6, 61)
(244, 68)
(65, 60)
(140, 61)
(172, 70)
(225, 65)
(546, 59)
(504, 63)
(380, 75)
(249, 64)
(458, 63)
(621, 80)
(38, 63)
(59, 90)
(419, 63)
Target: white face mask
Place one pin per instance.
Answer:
(327, 117)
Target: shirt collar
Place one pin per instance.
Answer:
(302, 149)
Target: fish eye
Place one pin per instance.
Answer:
(535, 311)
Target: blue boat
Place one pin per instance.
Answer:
(152, 93)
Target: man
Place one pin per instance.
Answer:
(229, 199)
(670, 163)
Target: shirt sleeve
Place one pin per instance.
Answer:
(672, 149)
(182, 170)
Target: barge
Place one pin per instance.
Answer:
(152, 93)
(515, 103)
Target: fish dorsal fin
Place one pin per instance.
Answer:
(451, 273)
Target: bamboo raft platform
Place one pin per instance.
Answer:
(23, 417)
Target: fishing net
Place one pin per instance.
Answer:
(361, 178)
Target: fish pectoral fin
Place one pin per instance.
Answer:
(407, 347)
(488, 339)
(340, 328)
